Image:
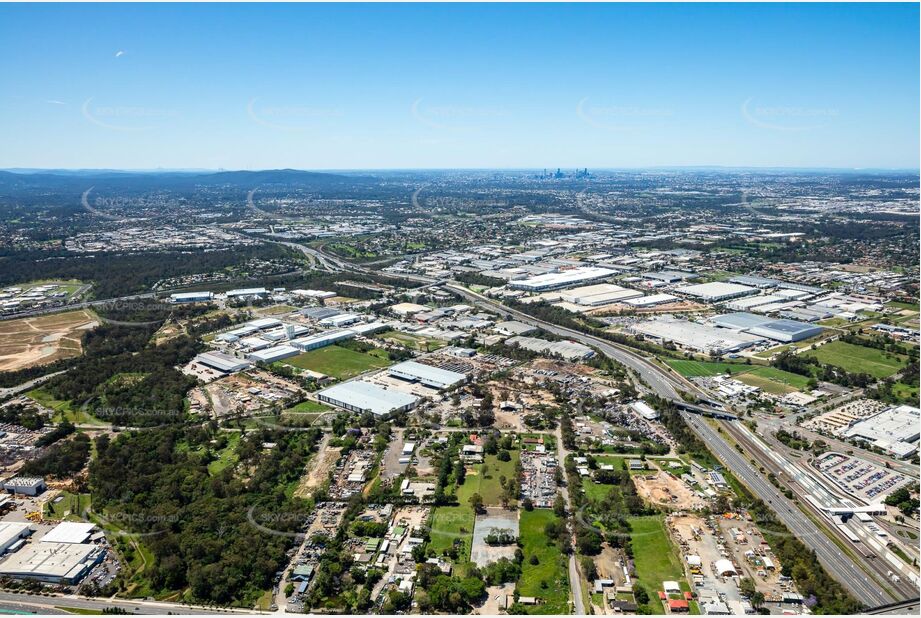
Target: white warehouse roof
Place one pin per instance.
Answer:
(566, 278)
(426, 374)
(360, 396)
(716, 290)
(69, 532)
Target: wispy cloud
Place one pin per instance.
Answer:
(54, 102)
(120, 53)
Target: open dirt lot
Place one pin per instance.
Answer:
(318, 468)
(43, 339)
(665, 490)
(482, 554)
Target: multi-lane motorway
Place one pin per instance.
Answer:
(839, 564)
(830, 555)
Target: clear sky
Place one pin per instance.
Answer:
(355, 86)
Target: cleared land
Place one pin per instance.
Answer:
(423, 344)
(225, 457)
(337, 362)
(547, 580)
(28, 342)
(859, 359)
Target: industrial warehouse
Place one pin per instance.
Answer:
(566, 278)
(697, 337)
(63, 556)
(360, 396)
(427, 375)
(895, 430)
(716, 291)
(784, 331)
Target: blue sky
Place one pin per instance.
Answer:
(356, 86)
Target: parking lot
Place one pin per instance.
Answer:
(867, 481)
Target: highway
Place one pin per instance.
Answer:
(48, 603)
(821, 498)
(830, 555)
(663, 384)
(838, 564)
(666, 384)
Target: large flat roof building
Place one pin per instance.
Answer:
(786, 331)
(11, 532)
(562, 279)
(360, 396)
(69, 532)
(191, 297)
(599, 294)
(277, 353)
(716, 291)
(224, 363)
(694, 336)
(569, 350)
(426, 374)
(895, 430)
(56, 563)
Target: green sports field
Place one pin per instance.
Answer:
(654, 556)
(859, 359)
(700, 369)
(337, 362)
(773, 380)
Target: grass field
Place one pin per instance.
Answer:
(64, 410)
(697, 369)
(909, 306)
(654, 556)
(337, 362)
(450, 523)
(773, 380)
(227, 456)
(28, 342)
(595, 491)
(548, 580)
(488, 485)
(311, 407)
(415, 342)
(70, 507)
(858, 359)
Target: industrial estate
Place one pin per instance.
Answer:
(460, 309)
(579, 401)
